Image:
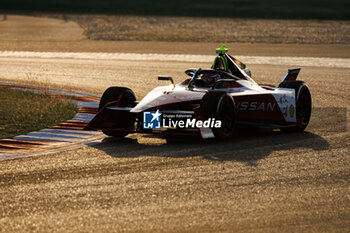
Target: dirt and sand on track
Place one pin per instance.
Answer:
(207, 29)
(28, 28)
(23, 33)
(254, 182)
(95, 75)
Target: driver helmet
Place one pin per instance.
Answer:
(220, 61)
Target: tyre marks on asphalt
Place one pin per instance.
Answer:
(66, 135)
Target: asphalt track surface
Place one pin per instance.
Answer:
(255, 182)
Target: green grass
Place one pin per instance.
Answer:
(22, 112)
(287, 9)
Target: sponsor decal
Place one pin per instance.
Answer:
(291, 110)
(283, 99)
(255, 106)
(284, 103)
(158, 120)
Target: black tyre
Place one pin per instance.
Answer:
(121, 97)
(303, 103)
(221, 106)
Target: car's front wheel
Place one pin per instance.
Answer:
(121, 97)
(221, 106)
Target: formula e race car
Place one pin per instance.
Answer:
(210, 103)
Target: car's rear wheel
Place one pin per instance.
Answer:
(221, 106)
(303, 103)
(121, 97)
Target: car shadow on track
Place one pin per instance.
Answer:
(248, 147)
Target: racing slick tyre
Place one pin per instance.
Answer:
(221, 106)
(124, 97)
(303, 103)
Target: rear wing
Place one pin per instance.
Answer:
(291, 75)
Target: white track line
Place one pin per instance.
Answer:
(268, 60)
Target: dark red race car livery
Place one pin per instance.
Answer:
(219, 98)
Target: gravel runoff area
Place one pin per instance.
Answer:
(203, 29)
(27, 33)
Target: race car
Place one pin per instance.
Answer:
(211, 102)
